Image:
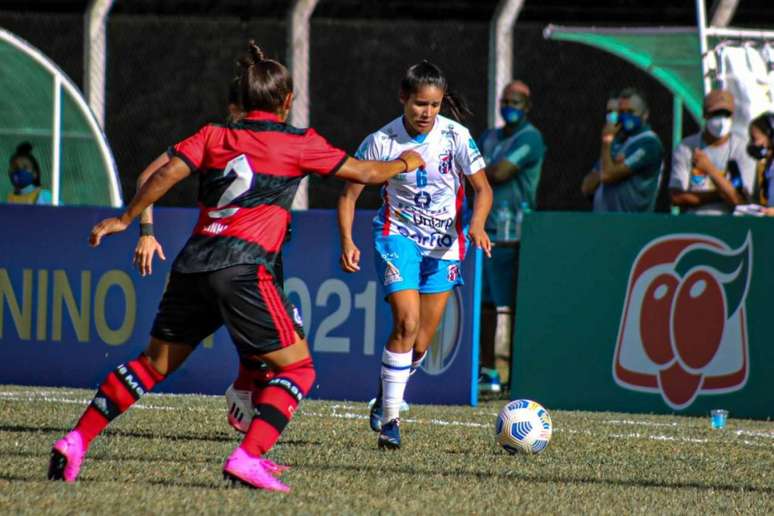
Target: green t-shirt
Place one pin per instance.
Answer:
(524, 149)
(643, 153)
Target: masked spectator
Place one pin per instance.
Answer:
(591, 181)
(711, 171)
(631, 159)
(761, 149)
(514, 155)
(24, 173)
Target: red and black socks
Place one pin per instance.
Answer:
(275, 405)
(122, 387)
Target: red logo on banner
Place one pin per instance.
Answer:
(683, 329)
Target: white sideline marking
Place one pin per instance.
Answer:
(638, 423)
(46, 396)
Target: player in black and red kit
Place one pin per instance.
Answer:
(248, 174)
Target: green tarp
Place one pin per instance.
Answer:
(671, 55)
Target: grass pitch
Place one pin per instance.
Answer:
(166, 454)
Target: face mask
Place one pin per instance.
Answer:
(757, 151)
(22, 178)
(612, 117)
(511, 115)
(719, 126)
(630, 122)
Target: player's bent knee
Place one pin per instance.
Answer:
(165, 357)
(406, 327)
(298, 377)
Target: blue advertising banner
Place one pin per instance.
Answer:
(69, 313)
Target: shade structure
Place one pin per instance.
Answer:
(670, 54)
(41, 105)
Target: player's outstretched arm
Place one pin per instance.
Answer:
(147, 244)
(350, 254)
(366, 172)
(159, 183)
(481, 207)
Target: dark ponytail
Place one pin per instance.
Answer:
(24, 150)
(264, 83)
(426, 73)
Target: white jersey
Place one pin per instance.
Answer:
(426, 204)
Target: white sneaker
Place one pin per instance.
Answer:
(240, 408)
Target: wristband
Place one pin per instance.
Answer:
(405, 163)
(146, 229)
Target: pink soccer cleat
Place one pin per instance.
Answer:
(241, 468)
(66, 458)
(274, 468)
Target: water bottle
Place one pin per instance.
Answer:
(524, 208)
(506, 226)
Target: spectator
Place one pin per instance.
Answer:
(631, 159)
(24, 173)
(761, 149)
(591, 181)
(514, 156)
(711, 171)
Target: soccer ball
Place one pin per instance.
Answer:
(523, 426)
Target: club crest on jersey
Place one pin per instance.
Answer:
(391, 274)
(445, 163)
(683, 331)
(297, 316)
(453, 272)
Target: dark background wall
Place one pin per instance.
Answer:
(169, 64)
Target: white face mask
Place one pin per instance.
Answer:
(719, 126)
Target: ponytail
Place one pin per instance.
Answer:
(263, 83)
(455, 106)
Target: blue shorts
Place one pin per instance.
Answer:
(401, 266)
(500, 277)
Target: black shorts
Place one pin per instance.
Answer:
(244, 298)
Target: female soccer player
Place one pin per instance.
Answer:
(419, 233)
(253, 374)
(248, 174)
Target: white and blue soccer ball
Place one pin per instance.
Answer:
(523, 426)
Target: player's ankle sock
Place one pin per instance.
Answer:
(416, 360)
(253, 374)
(395, 375)
(122, 387)
(275, 405)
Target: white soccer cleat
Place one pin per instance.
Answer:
(240, 408)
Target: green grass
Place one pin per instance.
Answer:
(165, 456)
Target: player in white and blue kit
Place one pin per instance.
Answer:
(420, 233)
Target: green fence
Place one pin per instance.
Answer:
(646, 313)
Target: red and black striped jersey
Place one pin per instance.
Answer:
(248, 172)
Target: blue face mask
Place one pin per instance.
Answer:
(511, 115)
(22, 178)
(630, 122)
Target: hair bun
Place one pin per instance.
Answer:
(24, 149)
(255, 51)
